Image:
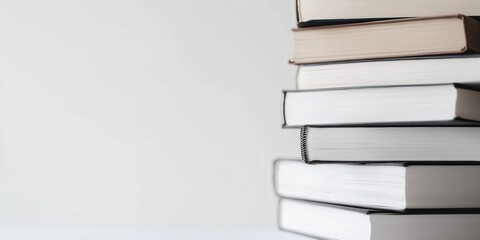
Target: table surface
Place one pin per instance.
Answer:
(48, 232)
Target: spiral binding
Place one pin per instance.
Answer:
(303, 143)
(299, 13)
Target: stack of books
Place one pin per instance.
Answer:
(387, 105)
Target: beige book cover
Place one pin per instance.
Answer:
(453, 34)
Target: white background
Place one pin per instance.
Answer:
(143, 112)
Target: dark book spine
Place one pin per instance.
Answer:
(331, 22)
(303, 143)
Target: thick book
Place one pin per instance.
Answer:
(450, 141)
(410, 37)
(382, 104)
(348, 223)
(402, 71)
(321, 12)
(394, 186)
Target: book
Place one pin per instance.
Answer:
(409, 71)
(394, 186)
(387, 104)
(449, 141)
(410, 37)
(348, 223)
(320, 12)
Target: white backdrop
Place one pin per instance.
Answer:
(143, 112)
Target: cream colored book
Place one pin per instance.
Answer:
(455, 34)
(314, 12)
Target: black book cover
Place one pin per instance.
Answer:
(448, 56)
(330, 22)
(368, 211)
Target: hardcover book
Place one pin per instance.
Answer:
(348, 223)
(322, 12)
(410, 37)
(393, 186)
(388, 104)
(390, 72)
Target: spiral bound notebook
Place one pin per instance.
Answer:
(453, 141)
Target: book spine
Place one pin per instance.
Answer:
(303, 143)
